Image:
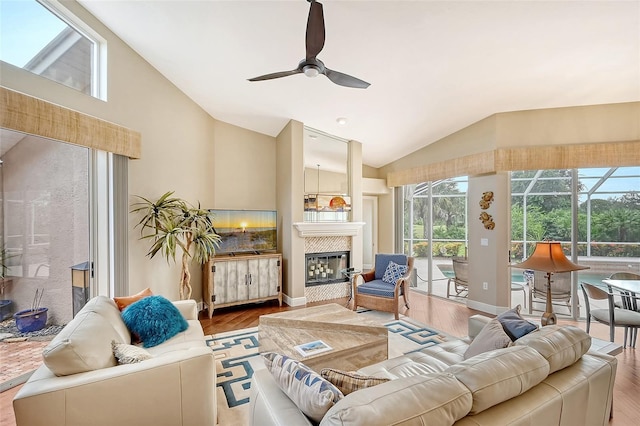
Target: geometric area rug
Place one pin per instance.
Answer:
(236, 356)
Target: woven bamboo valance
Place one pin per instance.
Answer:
(27, 114)
(609, 154)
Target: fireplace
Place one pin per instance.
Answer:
(325, 268)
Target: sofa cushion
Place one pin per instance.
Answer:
(107, 308)
(312, 394)
(377, 288)
(394, 272)
(413, 364)
(496, 376)
(84, 344)
(124, 301)
(514, 325)
(350, 381)
(154, 319)
(492, 336)
(561, 346)
(382, 261)
(408, 401)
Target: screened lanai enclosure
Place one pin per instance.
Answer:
(594, 211)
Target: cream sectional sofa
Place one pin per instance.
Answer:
(547, 377)
(175, 387)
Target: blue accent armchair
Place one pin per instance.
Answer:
(370, 291)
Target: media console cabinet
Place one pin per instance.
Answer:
(236, 280)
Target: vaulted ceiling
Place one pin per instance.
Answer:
(434, 66)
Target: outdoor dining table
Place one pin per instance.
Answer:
(629, 287)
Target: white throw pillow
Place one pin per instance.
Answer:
(492, 336)
(129, 354)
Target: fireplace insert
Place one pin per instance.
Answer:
(325, 268)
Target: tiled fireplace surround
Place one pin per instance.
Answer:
(326, 245)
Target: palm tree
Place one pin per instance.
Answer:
(171, 223)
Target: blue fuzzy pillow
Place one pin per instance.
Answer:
(153, 320)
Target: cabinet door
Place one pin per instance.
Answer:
(225, 278)
(254, 278)
(242, 279)
(269, 272)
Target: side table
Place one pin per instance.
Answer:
(350, 273)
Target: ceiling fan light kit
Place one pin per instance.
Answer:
(311, 66)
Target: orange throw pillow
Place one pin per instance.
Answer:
(125, 301)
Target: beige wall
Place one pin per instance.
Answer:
(290, 190)
(244, 168)
(180, 151)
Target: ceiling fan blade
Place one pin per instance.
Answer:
(345, 79)
(276, 75)
(315, 30)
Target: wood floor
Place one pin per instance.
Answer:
(442, 314)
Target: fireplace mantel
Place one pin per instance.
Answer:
(328, 229)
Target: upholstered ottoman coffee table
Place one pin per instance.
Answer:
(354, 341)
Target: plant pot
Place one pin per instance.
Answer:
(31, 320)
(5, 309)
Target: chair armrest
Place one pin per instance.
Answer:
(188, 308)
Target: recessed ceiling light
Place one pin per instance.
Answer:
(341, 121)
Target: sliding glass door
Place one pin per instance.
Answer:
(46, 224)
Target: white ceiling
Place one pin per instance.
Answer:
(434, 66)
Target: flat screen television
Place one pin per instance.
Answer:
(245, 231)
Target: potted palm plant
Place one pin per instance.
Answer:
(171, 224)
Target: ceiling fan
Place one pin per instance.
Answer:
(311, 66)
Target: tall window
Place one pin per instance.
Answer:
(40, 37)
(435, 229)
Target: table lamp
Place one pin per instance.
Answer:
(548, 257)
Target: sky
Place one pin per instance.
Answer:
(25, 28)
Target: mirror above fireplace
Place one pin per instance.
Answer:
(326, 177)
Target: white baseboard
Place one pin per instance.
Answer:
(298, 301)
(484, 307)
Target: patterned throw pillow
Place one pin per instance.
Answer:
(311, 393)
(350, 381)
(154, 320)
(129, 354)
(394, 272)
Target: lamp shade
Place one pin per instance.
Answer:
(549, 257)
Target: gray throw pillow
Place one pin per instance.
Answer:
(492, 336)
(514, 325)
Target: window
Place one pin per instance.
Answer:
(43, 38)
(435, 230)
